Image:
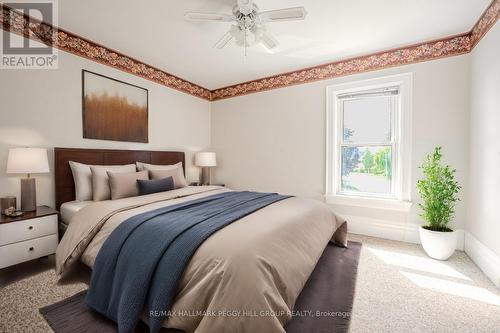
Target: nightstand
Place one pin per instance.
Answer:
(28, 237)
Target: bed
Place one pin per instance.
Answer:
(65, 186)
(69, 209)
(245, 277)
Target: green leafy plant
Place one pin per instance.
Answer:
(439, 192)
(367, 160)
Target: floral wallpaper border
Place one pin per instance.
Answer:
(408, 55)
(485, 22)
(28, 27)
(445, 47)
(69, 42)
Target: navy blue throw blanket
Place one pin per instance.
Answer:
(141, 263)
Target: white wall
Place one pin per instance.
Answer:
(275, 140)
(483, 220)
(42, 108)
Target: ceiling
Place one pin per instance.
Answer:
(155, 32)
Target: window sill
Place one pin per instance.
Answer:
(376, 203)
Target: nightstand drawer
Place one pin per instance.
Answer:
(27, 229)
(31, 249)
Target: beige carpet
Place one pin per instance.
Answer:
(399, 290)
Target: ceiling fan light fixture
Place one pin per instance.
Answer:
(245, 7)
(248, 27)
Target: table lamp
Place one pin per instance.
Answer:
(28, 161)
(205, 160)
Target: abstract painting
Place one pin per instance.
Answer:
(113, 110)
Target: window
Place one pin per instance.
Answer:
(368, 140)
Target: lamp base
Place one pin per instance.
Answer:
(28, 194)
(205, 176)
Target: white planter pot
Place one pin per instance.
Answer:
(438, 245)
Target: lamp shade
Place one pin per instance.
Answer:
(205, 159)
(27, 160)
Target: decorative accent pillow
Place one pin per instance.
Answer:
(176, 174)
(155, 186)
(124, 184)
(100, 181)
(82, 176)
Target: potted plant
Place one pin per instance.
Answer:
(439, 193)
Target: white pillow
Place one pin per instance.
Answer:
(145, 166)
(157, 171)
(82, 176)
(100, 181)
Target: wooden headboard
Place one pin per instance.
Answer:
(65, 186)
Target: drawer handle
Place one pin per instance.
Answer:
(31, 248)
(30, 227)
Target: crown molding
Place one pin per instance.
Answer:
(34, 29)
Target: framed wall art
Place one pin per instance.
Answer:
(113, 109)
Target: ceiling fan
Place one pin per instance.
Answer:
(249, 23)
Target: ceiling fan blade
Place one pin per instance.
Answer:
(217, 17)
(224, 40)
(285, 14)
(268, 40)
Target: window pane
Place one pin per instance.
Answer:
(367, 120)
(367, 169)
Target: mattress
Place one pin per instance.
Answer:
(68, 209)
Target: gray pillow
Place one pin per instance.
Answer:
(155, 186)
(100, 183)
(124, 185)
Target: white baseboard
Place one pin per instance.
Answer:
(390, 230)
(487, 260)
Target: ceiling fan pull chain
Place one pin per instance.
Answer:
(245, 43)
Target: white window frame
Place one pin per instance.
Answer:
(401, 132)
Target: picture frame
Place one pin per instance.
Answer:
(113, 109)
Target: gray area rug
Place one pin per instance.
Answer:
(323, 306)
